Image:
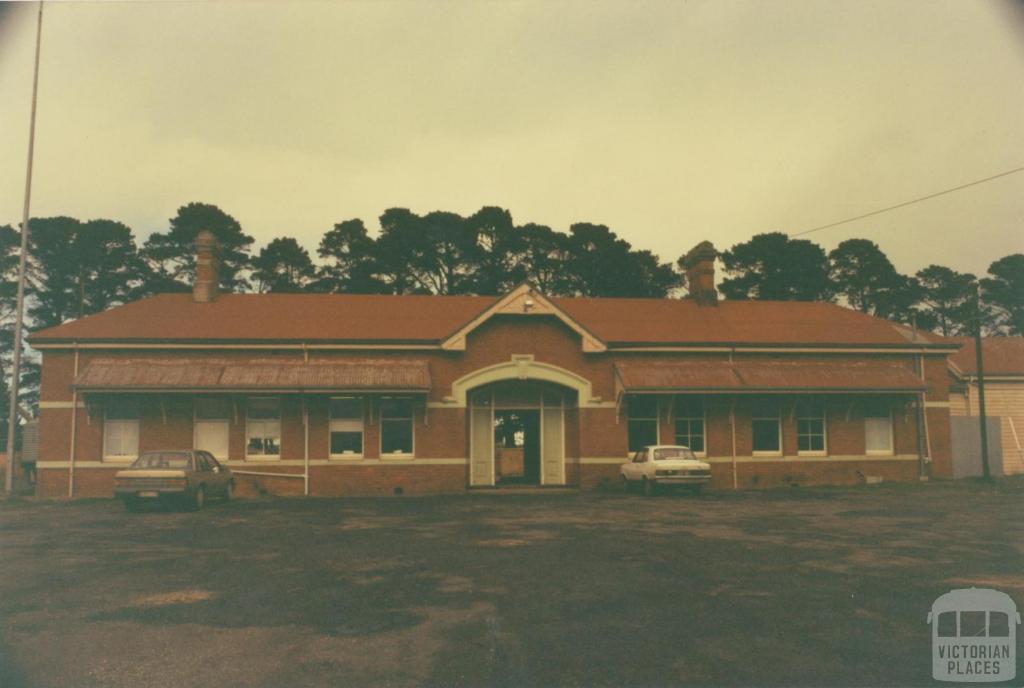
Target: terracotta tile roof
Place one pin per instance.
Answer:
(1002, 356)
(806, 376)
(430, 319)
(153, 374)
(277, 317)
(657, 321)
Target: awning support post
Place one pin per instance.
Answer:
(305, 447)
(74, 428)
(732, 428)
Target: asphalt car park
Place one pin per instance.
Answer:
(808, 586)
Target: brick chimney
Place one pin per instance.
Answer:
(204, 290)
(699, 264)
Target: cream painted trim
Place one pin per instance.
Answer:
(811, 459)
(369, 346)
(392, 462)
(60, 405)
(896, 349)
(524, 300)
(256, 391)
(453, 405)
(278, 462)
(763, 459)
(936, 404)
(241, 465)
(760, 391)
(521, 367)
(261, 347)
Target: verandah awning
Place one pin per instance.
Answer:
(767, 376)
(213, 376)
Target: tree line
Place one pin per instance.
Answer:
(80, 267)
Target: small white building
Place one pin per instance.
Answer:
(1003, 359)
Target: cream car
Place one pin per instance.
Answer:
(666, 465)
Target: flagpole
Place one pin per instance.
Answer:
(12, 415)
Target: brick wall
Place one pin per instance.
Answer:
(591, 432)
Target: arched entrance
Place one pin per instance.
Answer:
(517, 433)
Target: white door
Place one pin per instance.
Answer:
(212, 436)
(552, 456)
(481, 442)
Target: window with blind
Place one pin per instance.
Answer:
(121, 430)
(212, 415)
(878, 428)
(346, 427)
(396, 421)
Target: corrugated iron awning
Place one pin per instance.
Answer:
(162, 375)
(768, 376)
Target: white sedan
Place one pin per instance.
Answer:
(668, 465)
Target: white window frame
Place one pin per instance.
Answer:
(226, 420)
(109, 423)
(656, 418)
(778, 426)
(824, 430)
(339, 425)
(412, 429)
(250, 421)
(703, 423)
(891, 451)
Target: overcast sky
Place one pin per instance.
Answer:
(671, 122)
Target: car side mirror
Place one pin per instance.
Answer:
(216, 469)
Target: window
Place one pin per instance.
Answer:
(690, 423)
(346, 426)
(766, 427)
(810, 427)
(642, 427)
(263, 427)
(972, 624)
(878, 428)
(396, 425)
(121, 429)
(998, 625)
(211, 425)
(946, 625)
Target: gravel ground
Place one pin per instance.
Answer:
(807, 586)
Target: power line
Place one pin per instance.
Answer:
(906, 203)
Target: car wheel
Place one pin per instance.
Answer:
(198, 499)
(648, 487)
(229, 491)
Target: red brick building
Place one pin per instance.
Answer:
(354, 394)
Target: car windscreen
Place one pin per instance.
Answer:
(175, 460)
(673, 453)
